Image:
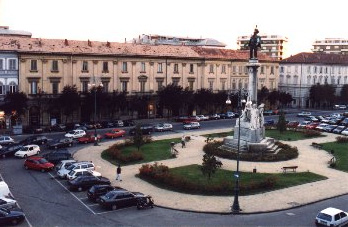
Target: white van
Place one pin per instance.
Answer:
(4, 190)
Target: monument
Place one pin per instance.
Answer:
(249, 128)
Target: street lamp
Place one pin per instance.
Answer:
(240, 94)
(94, 86)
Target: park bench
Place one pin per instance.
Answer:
(317, 145)
(293, 168)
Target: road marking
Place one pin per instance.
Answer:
(93, 205)
(105, 212)
(73, 195)
(83, 198)
(290, 214)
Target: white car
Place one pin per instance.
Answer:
(7, 203)
(321, 126)
(303, 124)
(163, 127)
(6, 140)
(64, 164)
(27, 151)
(82, 172)
(192, 125)
(77, 133)
(62, 173)
(203, 118)
(304, 114)
(345, 132)
(332, 217)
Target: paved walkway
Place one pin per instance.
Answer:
(310, 159)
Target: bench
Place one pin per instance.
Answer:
(293, 168)
(317, 145)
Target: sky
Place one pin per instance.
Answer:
(301, 21)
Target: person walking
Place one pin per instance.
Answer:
(183, 141)
(118, 173)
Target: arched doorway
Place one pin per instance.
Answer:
(34, 116)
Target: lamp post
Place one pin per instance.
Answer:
(94, 86)
(240, 94)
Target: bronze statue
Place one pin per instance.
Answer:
(254, 43)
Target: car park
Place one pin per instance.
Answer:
(78, 165)
(89, 138)
(339, 129)
(58, 155)
(85, 182)
(28, 150)
(114, 133)
(38, 163)
(96, 191)
(10, 150)
(119, 199)
(145, 129)
(192, 125)
(6, 140)
(331, 217)
(82, 172)
(64, 164)
(163, 127)
(321, 126)
(329, 128)
(59, 143)
(38, 140)
(10, 217)
(74, 134)
(334, 121)
(304, 114)
(7, 203)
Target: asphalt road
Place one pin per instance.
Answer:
(46, 201)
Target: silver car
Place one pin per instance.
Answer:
(163, 127)
(6, 140)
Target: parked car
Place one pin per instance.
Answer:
(6, 140)
(128, 123)
(28, 150)
(344, 122)
(59, 143)
(311, 118)
(192, 125)
(331, 217)
(10, 217)
(231, 115)
(321, 126)
(7, 203)
(38, 163)
(118, 199)
(82, 172)
(59, 128)
(78, 165)
(38, 140)
(214, 117)
(56, 156)
(74, 134)
(345, 132)
(89, 138)
(312, 125)
(329, 128)
(203, 118)
(85, 182)
(292, 124)
(268, 112)
(145, 129)
(304, 114)
(339, 129)
(269, 122)
(114, 133)
(96, 191)
(64, 164)
(118, 123)
(303, 124)
(10, 150)
(163, 127)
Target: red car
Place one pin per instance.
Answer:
(38, 163)
(312, 125)
(89, 138)
(114, 133)
(292, 124)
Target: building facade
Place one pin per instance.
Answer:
(300, 72)
(274, 46)
(46, 66)
(331, 46)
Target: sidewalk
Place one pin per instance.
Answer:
(310, 159)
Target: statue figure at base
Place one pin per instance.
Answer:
(254, 43)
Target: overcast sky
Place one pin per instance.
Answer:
(302, 21)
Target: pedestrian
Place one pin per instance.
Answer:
(118, 173)
(183, 141)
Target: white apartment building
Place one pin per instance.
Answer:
(331, 46)
(299, 72)
(272, 45)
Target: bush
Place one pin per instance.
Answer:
(115, 153)
(342, 139)
(311, 133)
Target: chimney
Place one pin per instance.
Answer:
(108, 44)
(89, 43)
(66, 42)
(125, 40)
(40, 42)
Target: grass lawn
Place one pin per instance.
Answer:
(340, 153)
(154, 151)
(192, 173)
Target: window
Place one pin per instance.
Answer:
(124, 86)
(12, 64)
(2, 92)
(159, 68)
(233, 84)
(223, 85)
(281, 69)
(223, 70)
(105, 67)
(143, 69)
(240, 84)
(55, 87)
(54, 66)
(234, 69)
(315, 69)
(142, 86)
(191, 68)
(33, 87)
(325, 69)
(271, 83)
(211, 68)
(1, 64)
(12, 87)
(272, 69)
(308, 69)
(320, 69)
(124, 67)
(105, 86)
(262, 69)
(211, 85)
(176, 81)
(85, 66)
(240, 69)
(328, 47)
(33, 65)
(176, 68)
(296, 69)
(191, 85)
(159, 85)
(84, 85)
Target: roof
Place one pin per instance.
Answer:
(74, 47)
(4, 31)
(321, 58)
(331, 211)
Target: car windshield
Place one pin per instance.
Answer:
(70, 167)
(325, 217)
(71, 132)
(110, 195)
(71, 173)
(24, 149)
(43, 161)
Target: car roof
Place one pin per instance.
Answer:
(331, 211)
(35, 158)
(82, 170)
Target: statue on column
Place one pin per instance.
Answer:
(254, 43)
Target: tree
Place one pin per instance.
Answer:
(262, 95)
(344, 94)
(203, 99)
(138, 138)
(281, 125)
(69, 101)
(171, 97)
(273, 97)
(210, 165)
(16, 104)
(285, 98)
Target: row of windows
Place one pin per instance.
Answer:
(12, 87)
(316, 69)
(314, 80)
(10, 64)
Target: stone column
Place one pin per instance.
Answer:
(253, 65)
